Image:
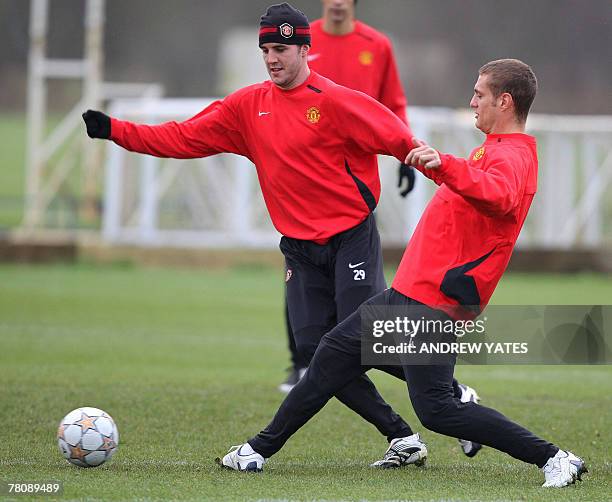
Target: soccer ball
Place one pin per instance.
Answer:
(87, 437)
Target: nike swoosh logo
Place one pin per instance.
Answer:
(264, 113)
(356, 264)
(312, 57)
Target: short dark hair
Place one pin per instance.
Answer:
(517, 79)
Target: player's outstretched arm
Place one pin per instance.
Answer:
(494, 191)
(212, 131)
(164, 140)
(98, 124)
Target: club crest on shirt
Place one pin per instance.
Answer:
(479, 153)
(286, 30)
(313, 114)
(366, 58)
(289, 274)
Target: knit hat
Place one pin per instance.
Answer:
(284, 24)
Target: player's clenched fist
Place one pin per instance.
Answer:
(423, 155)
(98, 124)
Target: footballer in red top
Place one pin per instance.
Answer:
(488, 195)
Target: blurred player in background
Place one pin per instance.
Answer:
(451, 266)
(357, 56)
(354, 55)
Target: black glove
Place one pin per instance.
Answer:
(405, 172)
(98, 124)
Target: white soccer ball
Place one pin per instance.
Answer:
(87, 437)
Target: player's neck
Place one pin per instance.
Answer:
(513, 128)
(509, 126)
(342, 28)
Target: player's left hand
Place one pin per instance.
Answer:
(98, 124)
(405, 172)
(423, 155)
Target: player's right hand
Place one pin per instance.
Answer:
(423, 155)
(98, 124)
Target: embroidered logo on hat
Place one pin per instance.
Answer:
(284, 24)
(286, 30)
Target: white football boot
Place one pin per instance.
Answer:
(563, 469)
(242, 458)
(403, 451)
(468, 395)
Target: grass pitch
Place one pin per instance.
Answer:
(187, 363)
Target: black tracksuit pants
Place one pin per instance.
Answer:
(325, 283)
(337, 363)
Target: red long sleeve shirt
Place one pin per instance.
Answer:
(464, 240)
(314, 148)
(361, 60)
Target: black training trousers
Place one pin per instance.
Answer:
(337, 362)
(296, 360)
(325, 283)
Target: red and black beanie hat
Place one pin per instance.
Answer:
(284, 24)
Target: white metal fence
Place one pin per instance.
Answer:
(216, 202)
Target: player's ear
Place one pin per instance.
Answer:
(506, 102)
(304, 50)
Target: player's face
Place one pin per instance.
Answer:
(285, 63)
(485, 105)
(338, 10)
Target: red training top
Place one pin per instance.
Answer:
(314, 148)
(465, 237)
(361, 60)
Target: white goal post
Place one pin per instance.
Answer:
(216, 202)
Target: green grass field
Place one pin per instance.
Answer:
(187, 362)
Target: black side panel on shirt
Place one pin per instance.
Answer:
(461, 287)
(365, 192)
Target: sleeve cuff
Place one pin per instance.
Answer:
(116, 129)
(446, 169)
